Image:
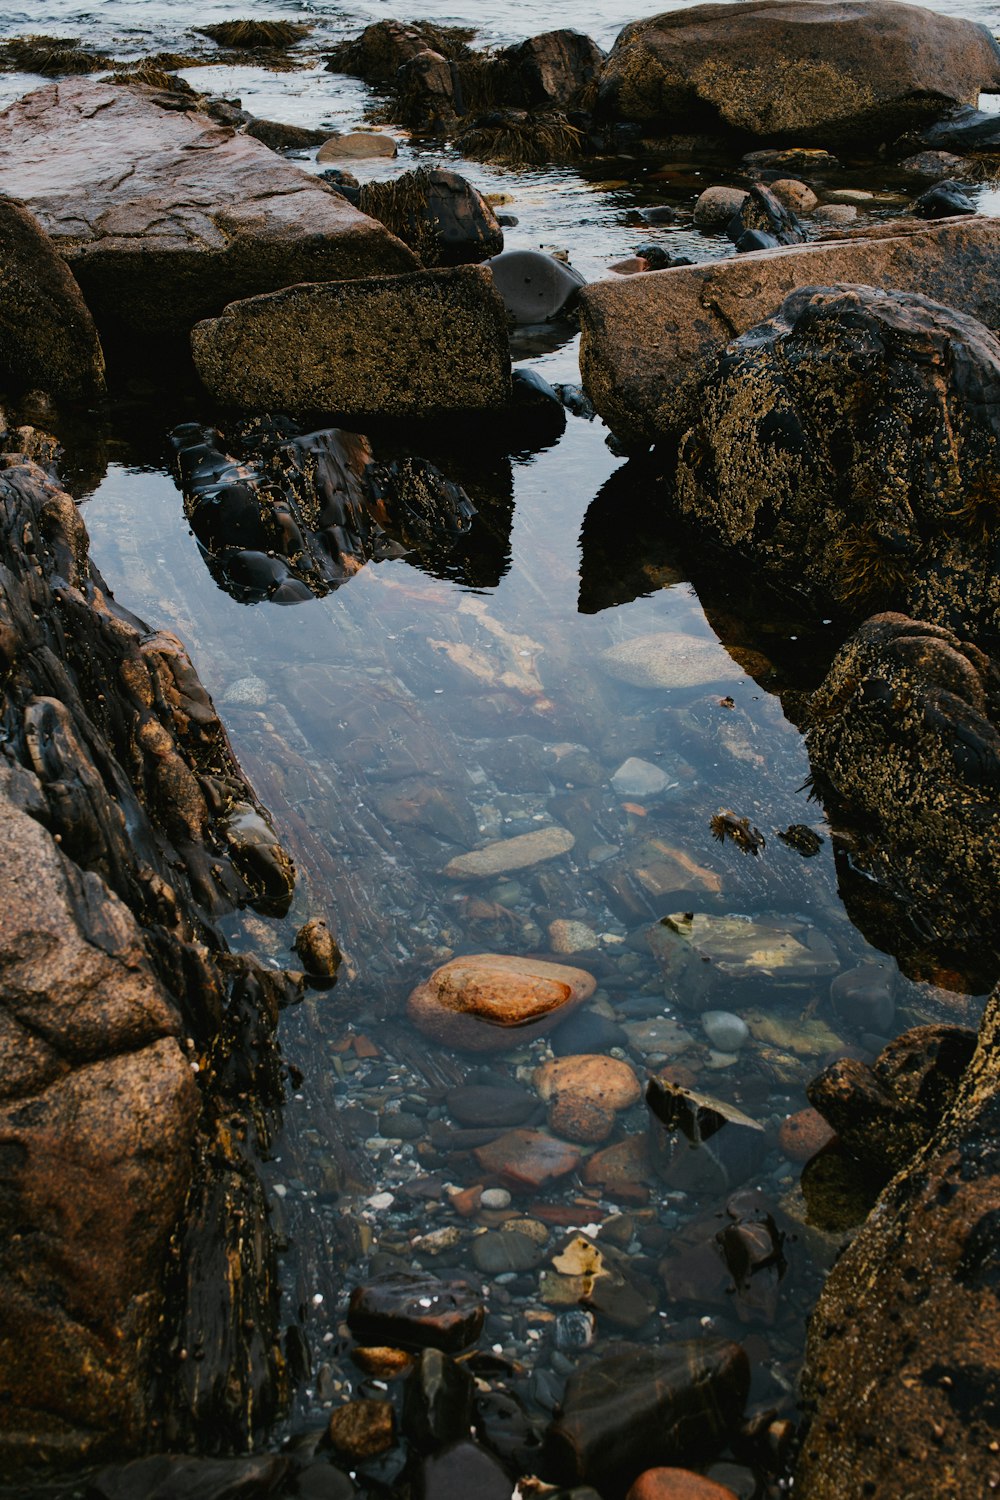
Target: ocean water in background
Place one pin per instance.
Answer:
(419, 710)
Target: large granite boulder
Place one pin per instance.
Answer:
(118, 1158)
(806, 71)
(415, 345)
(850, 448)
(644, 337)
(905, 751)
(901, 1368)
(164, 215)
(47, 337)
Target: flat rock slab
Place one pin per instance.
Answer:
(645, 336)
(528, 1160)
(668, 659)
(164, 216)
(412, 345)
(504, 855)
(488, 1002)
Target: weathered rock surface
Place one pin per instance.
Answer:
(420, 344)
(435, 211)
(645, 336)
(630, 1412)
(905, 749)
(904, 1337)
(164, 216)
(416, 1310)
(517, 853)
(48, 340)
(797, 70)
(487, 1002)
(850, 447)
(114, 770)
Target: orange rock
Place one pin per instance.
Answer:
(466, 1201)
(603, 1080)
(361, 1429)
(677, 1484)
(803, 1134)
(623, 1169)
(526, 1160)
(487, 1002)
(577, 1118)
(382, 1362)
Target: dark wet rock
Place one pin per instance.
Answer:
(319, 1480)
(963, 130)
(415, 345)
(588, 1031)
(437, 1404)
(48, 340)
(863, 997)
(769, 479)
(495, 1253)
(904, 1335)
(105, 168)
(359, 1430)
(640, 385)
(503, 1426)
(317, 948)
(903, 743)
(791, 73)
(437, 213)
(522, 137)
(883, 1114)
(297, 515)
(460, 1471)
(256, 36)
(343, 181)
(937, 165)
(555, 69)
(416, 1310)
(486, 1104)
(428, 93)
(800, 837)
(629, 1412)
(382, 48)
(761, 213)
(943, 201)
(281, 137)
(177, 1477)
(115, 774)
(701, 1143)
(535, 287)
(526, 1161)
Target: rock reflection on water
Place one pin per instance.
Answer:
(399, 724)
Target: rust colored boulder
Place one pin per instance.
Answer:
(812, 72)
(48, 340)
(677, 1484)
(849, 448)
(489, 1002)
(164, 215)
(527, 1161)
(420, 344)
(645, 338)
(904, 746)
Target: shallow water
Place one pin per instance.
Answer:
(348, 710)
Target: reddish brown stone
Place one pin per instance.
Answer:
(487, 1002)
(803, 1134)
(527, 1160)
(623, 1169)
(677, 1484)
(580, 1119)
(362, 1429)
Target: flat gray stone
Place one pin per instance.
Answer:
(518, 853)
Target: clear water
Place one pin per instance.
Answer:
(402, 679)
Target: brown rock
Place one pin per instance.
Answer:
(696, 310)
(413, 345)
(317, 948)
(605, 1080)
(527, 1160)
(416, 1310)
(164, 216)
(623, 1169)
(803, 1134)
(578, 1118)
(383, 1362)
(48, 340)
(356, 144)
(798, 71)
(677, 1484)
(488, 1002)
(362, 1429)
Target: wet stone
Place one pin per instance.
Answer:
(863, 997)
(416, 1309)
(172, 1477)
(677, 1484)
(518, 853)
(362, 1429)
(463, 1470)
(482, 1104)
(604, 1080)
(726, 1032)
(321, 1481)
(803, 1134)
(437, 1406)
(535, 287)
(316, 947)
(588, 1031)
(503, 1426)
(527, 1160)
(495, 1253)
(488, 1002)
(639, 778)
(669, 659)
(577, 1118)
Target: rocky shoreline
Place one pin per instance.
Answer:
(822, 408)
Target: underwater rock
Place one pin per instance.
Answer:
(699, 1143)
(781, 950)
(437, 213)
(847, 73)
(420, 344)
(677, 1484)
(605, 1080)
(862, 997)
(640, 384)
(905, 750)
(109, 173)
(725, 1032)
(669, 659)
(904, 1335)
(462, 1470)
(48, 341)
(527, 1161)
(488, 1002)
(170, 1476)
(317, 948)
(626, 1413)
(518, 853)
(438, 1400)
(868, 506)
(414, 1310)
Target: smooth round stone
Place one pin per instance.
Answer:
(358, 144)
(580, 1119)
(495, 1198)
(604, 1080)
(494, 1253)
(863, 997)
(836, 213)
(485, 1104)
(669, 659)
(726, 1032)
(798, 196)
(398, 1126)
(489, 1002)
(587, 1031)
(534, 286)
(717, 205)
(567, 936)
(639, 778)
(677, 1484)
